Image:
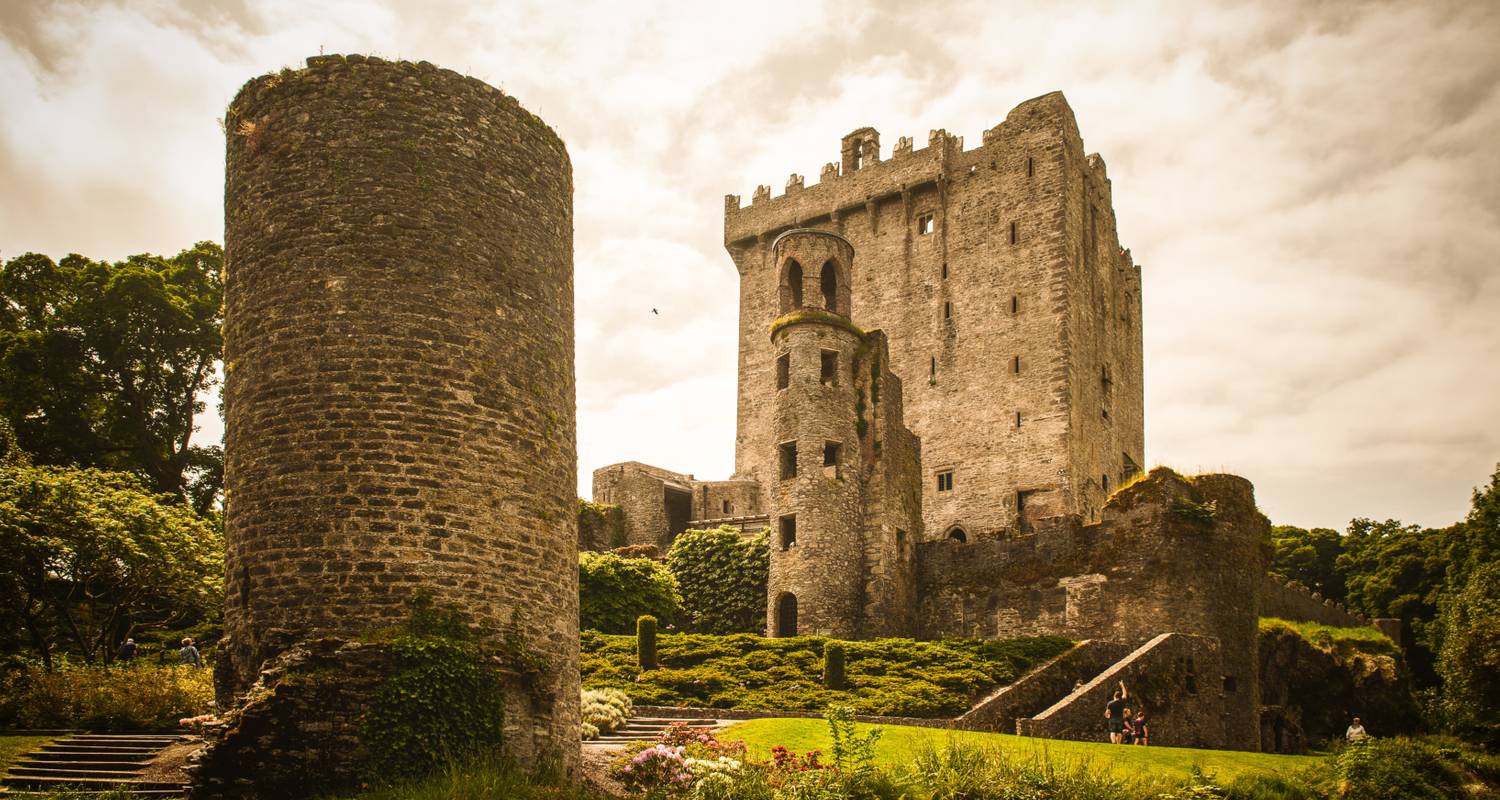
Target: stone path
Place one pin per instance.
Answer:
(648, 729)
(91, 763)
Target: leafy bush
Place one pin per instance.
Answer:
(645, 642)
(722, 576)
(443, 704)
(1469, 659)
(893, 677)
(614, 591)
(604, 711)
(136, 697)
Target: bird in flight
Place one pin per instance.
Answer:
(654, 311)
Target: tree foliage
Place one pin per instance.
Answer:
(102, 364)
(614, 591)
(1309, 557)
(722, 575)
(93, 556)
(1469, 660)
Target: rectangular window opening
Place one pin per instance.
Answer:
(1016, 365)
(788, 460)
(783, 370)
(787, 533)
(926, 224)
(947, 311)
(945, 270)
(1104, 481)
(728, 508)
(1015, 304)
(945, 481)
(829, 369)
(900, 541)
(831, 459)
(1015, 232)
(1030, 166)
(1018, 419)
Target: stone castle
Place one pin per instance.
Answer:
(941, 431)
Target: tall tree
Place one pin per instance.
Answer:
(1309, 557)
(104, 364)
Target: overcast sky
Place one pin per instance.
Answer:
(1313, 191)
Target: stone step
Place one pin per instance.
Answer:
(107, 766)
(68, 772)
(91, 764)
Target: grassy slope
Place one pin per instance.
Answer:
(898, 744)
(12, 747)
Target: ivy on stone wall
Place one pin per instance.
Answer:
(613, 591)
(443, 705)
(601, 526)
(722, 576)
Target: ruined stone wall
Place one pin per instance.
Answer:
(1171, 554)
(726, 499)
(1175, 677)
(399, 391)
(1042, 687)
(1293, 601)
(982, 324)
(640, 492)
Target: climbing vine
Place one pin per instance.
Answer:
(443, 704)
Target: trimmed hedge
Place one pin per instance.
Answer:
(722, 576)
(894, 677)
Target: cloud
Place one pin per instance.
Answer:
(1310, 188)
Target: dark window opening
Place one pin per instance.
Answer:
(1030, 166)
(958, 535)
(1018, 419)
(1023, 520)
(1016, 365)
(831, 460)
(1104, 481)
(783, 370)
(934, 368)
(947, 311)
(829, 283)
(945, 481)
(787, 537)
(794, 282)
(1104, 414)
(945, 270)
(786, 615)
(789, 460)
(901, 541)
(926, 224)
(728, 508)
(1015, 233)
(829, 369)
(679, 507)
(1231, 683)
(1015, 304)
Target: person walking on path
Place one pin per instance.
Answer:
(188, 655)
(1356, 732)
(126, 651)
(1114, 714)
(1142, 732)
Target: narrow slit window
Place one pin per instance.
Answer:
(945, 270)
(1104, 481)
(947, 311)
(783, 370)
(788, 460)
(926, 224)
(1030, 166)
(1018, 419)
(945, 481)
(788, 531)
(1015, 304)
(1015, 365)
(901, 541)
(829, 368)
(1015, 232)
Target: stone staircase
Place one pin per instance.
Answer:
(92, 763)
(649, 729)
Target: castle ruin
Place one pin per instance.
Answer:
(399, 404)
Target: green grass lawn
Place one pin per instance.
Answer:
(12, 747)
(898, 744)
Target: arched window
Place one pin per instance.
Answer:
(793, 288)
(829, 282)
(786, 615)
(957, 534)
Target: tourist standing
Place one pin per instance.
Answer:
(1114, 714)
(1142, 732)
(1356, 732)
(188, 655)
(126, 651)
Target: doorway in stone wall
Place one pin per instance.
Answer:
(679, 505)
(786, 615)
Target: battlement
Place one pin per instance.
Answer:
(861, 177)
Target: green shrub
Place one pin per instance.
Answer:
(645, 643)
(604, 711)
(888, 677)
(613, 591)
(443, 704)
(722, 576)
(136, 697)
(1469, 659)
(833, 666)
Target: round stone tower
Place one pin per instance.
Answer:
(399, 391)
(817, 572)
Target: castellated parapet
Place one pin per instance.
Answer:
(399, 391)
(1012, 313)
(844, 511)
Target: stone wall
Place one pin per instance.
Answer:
(601, 526)
(399, 390)
(1042, 687)
(1170, 554)
(997, 275)
(640, 490)
(1293, 601)
(1174, 676)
